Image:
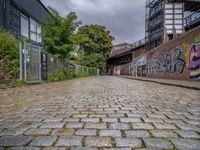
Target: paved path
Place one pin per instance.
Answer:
(100, 113)
(192, 84)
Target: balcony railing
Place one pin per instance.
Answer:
(129, 47)
(191, 19)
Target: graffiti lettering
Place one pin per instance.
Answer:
(171, 62)
(197, 39)
(194, 64)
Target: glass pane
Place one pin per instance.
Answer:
(169, 6)
(169, 26)
(178, 21)
(39, 31)
(169, 11)
(169, 16)
(179, 31)
(24, 26)
(33, 29)
(178, 16)
(169, 31)
(178, 6)
(168, 21)
(178, 26)
(178, 11)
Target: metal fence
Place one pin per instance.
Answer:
(30, 63)
(36, 65)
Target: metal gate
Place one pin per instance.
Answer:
(30, 63)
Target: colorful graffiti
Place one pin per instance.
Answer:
(194, 62)
(171, 61)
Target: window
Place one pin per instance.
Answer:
(24, 26)
(33, 30)
(39, 32)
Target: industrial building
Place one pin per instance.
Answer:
(23, 18)
(171, 47)
(168, 19)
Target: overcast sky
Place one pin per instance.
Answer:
(124, 18)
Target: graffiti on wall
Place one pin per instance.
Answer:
(170, 62)
(194, 60)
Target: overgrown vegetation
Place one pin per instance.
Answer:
(9, 53)
(59, 34)
(95, 44)
(16, 83)
(66, 74)
(89, 46)
(65, 38)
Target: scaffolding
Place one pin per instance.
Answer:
(165, 20)
(154, 24)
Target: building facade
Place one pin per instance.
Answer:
(171, 48)
(23, 18)
(168, 19)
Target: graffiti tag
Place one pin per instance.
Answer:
(171, 62)
(194, 64)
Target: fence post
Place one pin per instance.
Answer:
(21, 59)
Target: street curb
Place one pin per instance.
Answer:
(177, 85)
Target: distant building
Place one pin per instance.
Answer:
(119, 48)
(23, 18)
(167, 19)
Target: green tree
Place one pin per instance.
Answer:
(59, 34)
(96, 43)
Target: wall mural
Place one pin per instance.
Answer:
(194, 60)
(184, 59)
(171, 61)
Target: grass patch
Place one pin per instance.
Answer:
(113, 142)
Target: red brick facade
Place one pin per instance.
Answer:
(177, 59)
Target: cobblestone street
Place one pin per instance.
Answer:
(105, 112)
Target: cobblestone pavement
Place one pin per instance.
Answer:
(92, 113)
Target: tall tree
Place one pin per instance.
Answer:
(59, 32)
(96, 44)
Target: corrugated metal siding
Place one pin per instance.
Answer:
(34, 8)
(1, 13)
(14, 20)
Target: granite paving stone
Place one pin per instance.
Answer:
(52, 125)
(119, 126)
(128, 142)
(186, 144)
(188, 134)
(66, 132)
(146, 126)
(86, 132)
(43, 141)
(37, 132)
(14, 140)
(74, 125)
(137, 133)
(111, 133)
(70, 141)
(164, 134)
(24, 148)
(99, 112)
(95, 126)
(98, 142)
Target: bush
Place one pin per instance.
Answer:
(66, 74)
(9, 52)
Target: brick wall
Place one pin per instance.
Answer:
(177, 59)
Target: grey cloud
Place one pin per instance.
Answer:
(124, 18)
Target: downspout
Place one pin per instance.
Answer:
(4, 13)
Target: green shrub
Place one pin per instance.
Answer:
(66, 74)
(9, 51)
